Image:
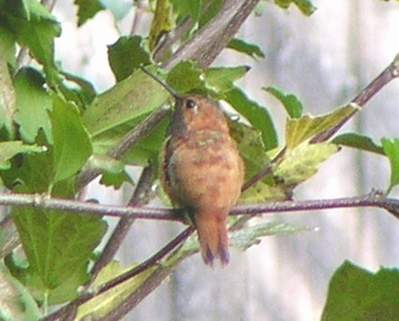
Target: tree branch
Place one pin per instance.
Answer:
(168, 214)
(151, 261)
(152, 282)
(215, 36)
(390, 73)
(139, 198)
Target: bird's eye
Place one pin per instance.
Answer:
(191, 104)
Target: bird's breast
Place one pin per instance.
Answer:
(205, 170)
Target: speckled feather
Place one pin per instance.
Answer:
(203, 171)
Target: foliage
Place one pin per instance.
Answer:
(357, 294)
(54, 126)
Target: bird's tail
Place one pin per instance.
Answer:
(213, 237)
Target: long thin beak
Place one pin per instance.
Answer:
(163, 84)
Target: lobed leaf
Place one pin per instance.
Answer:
(58, 247)
(32, 105)
(34, 27)
(72, 145)
(185, 77)
(9, 149)
(126, 55)
(87, 9)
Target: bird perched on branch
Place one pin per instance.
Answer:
(202, 169)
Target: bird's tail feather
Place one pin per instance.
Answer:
(213, 237)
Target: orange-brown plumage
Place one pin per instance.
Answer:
(203, 171)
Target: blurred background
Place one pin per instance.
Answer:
(325, 59)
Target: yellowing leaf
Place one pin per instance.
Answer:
(304, 128)
(103, 304)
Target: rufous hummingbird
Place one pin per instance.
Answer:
(202, 169)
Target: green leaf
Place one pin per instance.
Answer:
(185, 77)
(357, 294)
(115, 179)
(87, 9)
(391, 149)
(210, 10)
(11, 148)
(250, 146)
(114, 173)
(126, 55)
(190, 9)
(72, 145)
(7, 97)
(305, 128)
(253, 153)
(162, 23)
(34, 27)
(221, 79)
(131, 98)
(58, 246)
(305, 6)
(257, 115)
(83, 95)
(358, 141)
(149, 148)
(35, 173)
(15, 301)
(7, 46)
(32, 105)
(246, 48)
(291, 103)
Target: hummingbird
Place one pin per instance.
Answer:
(202, 170)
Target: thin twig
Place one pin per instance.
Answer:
(139, 198)
(212, 39)
(151, 261)
(168, 214)
(152, 282)
(390, 73)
